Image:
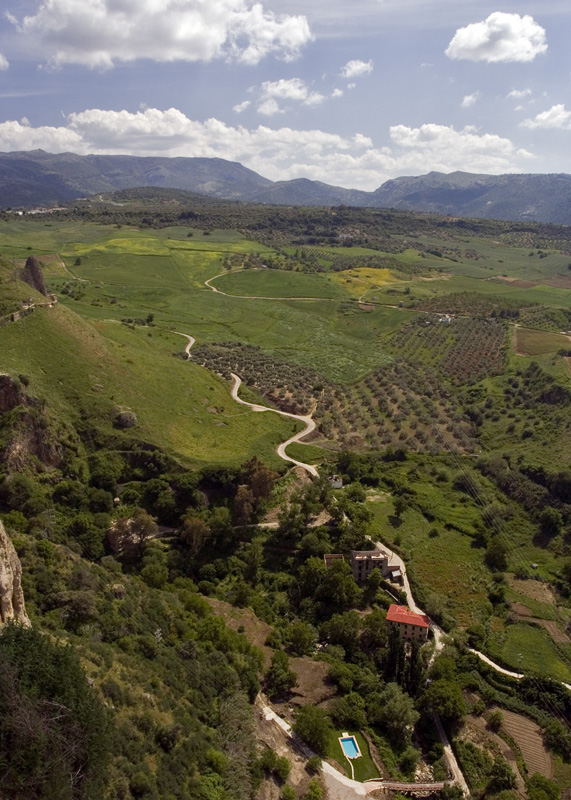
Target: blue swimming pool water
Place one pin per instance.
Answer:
(349, 746)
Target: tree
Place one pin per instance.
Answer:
(314, 727)
(279, 677)
(343, 629)
(54, 731)
(540, 788)
(399, 506)
(445, 698)
(496, 556)
(550, 521)
(339, 589)
(314, 791)
(243, 506)
(349, 711)
(302, 638)
(394, 711)
(195, 533)
(495, 721)
(502, 776)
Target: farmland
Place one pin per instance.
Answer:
(440, 376)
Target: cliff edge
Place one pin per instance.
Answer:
(12, 606)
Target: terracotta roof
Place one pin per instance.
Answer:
(405, 615)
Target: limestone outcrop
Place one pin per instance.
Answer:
(12, 606)
(32, 274)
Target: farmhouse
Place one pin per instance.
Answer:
(412, 627)
(363, 562)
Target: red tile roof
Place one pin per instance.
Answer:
(405, 615)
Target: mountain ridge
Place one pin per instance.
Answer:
(31, 178)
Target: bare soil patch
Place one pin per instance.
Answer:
(520, 610)
(313, 686)
(534, 589)
(554, 631)
(527, 736)
(269, 734)
(559, 281)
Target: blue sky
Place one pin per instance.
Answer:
(348, 93)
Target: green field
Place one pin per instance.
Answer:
(531, 650)
(537, 343)
(277, 283)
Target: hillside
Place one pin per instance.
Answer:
(165, 536)
(40, 178)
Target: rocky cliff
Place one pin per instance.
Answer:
(11, 595)
(32, 274)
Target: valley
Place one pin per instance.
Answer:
(427, 366)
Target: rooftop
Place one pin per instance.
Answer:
(364, 554)
(406, 616)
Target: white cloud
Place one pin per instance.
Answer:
(4, 63)
(286, 89)
(278, 153)
(270, 107)
(501, 37)
(518, 94)
(337, 93)
(239, 107)
(555, 117)
(469, 99)
(445, 148)
(356, 68)
(98, 33)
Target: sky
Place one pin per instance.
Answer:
(349, 93)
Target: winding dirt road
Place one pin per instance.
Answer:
(281, 448)
(256, 296)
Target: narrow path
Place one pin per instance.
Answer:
(256, 296)
(307, 420)
(281, 448)
(517, 675)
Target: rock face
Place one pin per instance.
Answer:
(11, 393)
(12, 606)
(32, 274)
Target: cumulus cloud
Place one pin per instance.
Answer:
(356, 68)
(500, 37)
(469, 99)
(465, 149)
(279, 153)
(518, 94)
(555, 117)
(337, 93)
(294, 89)
(239, 107)
(4, 63)
(270, 107)
(102, 32)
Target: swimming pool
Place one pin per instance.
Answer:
(350, 746)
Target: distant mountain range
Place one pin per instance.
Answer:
(39, 178)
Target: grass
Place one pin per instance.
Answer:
(531, 650)
(535, 343)
(278, 283)
(364, 767)
(103, 366)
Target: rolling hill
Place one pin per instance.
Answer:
(40, 178)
